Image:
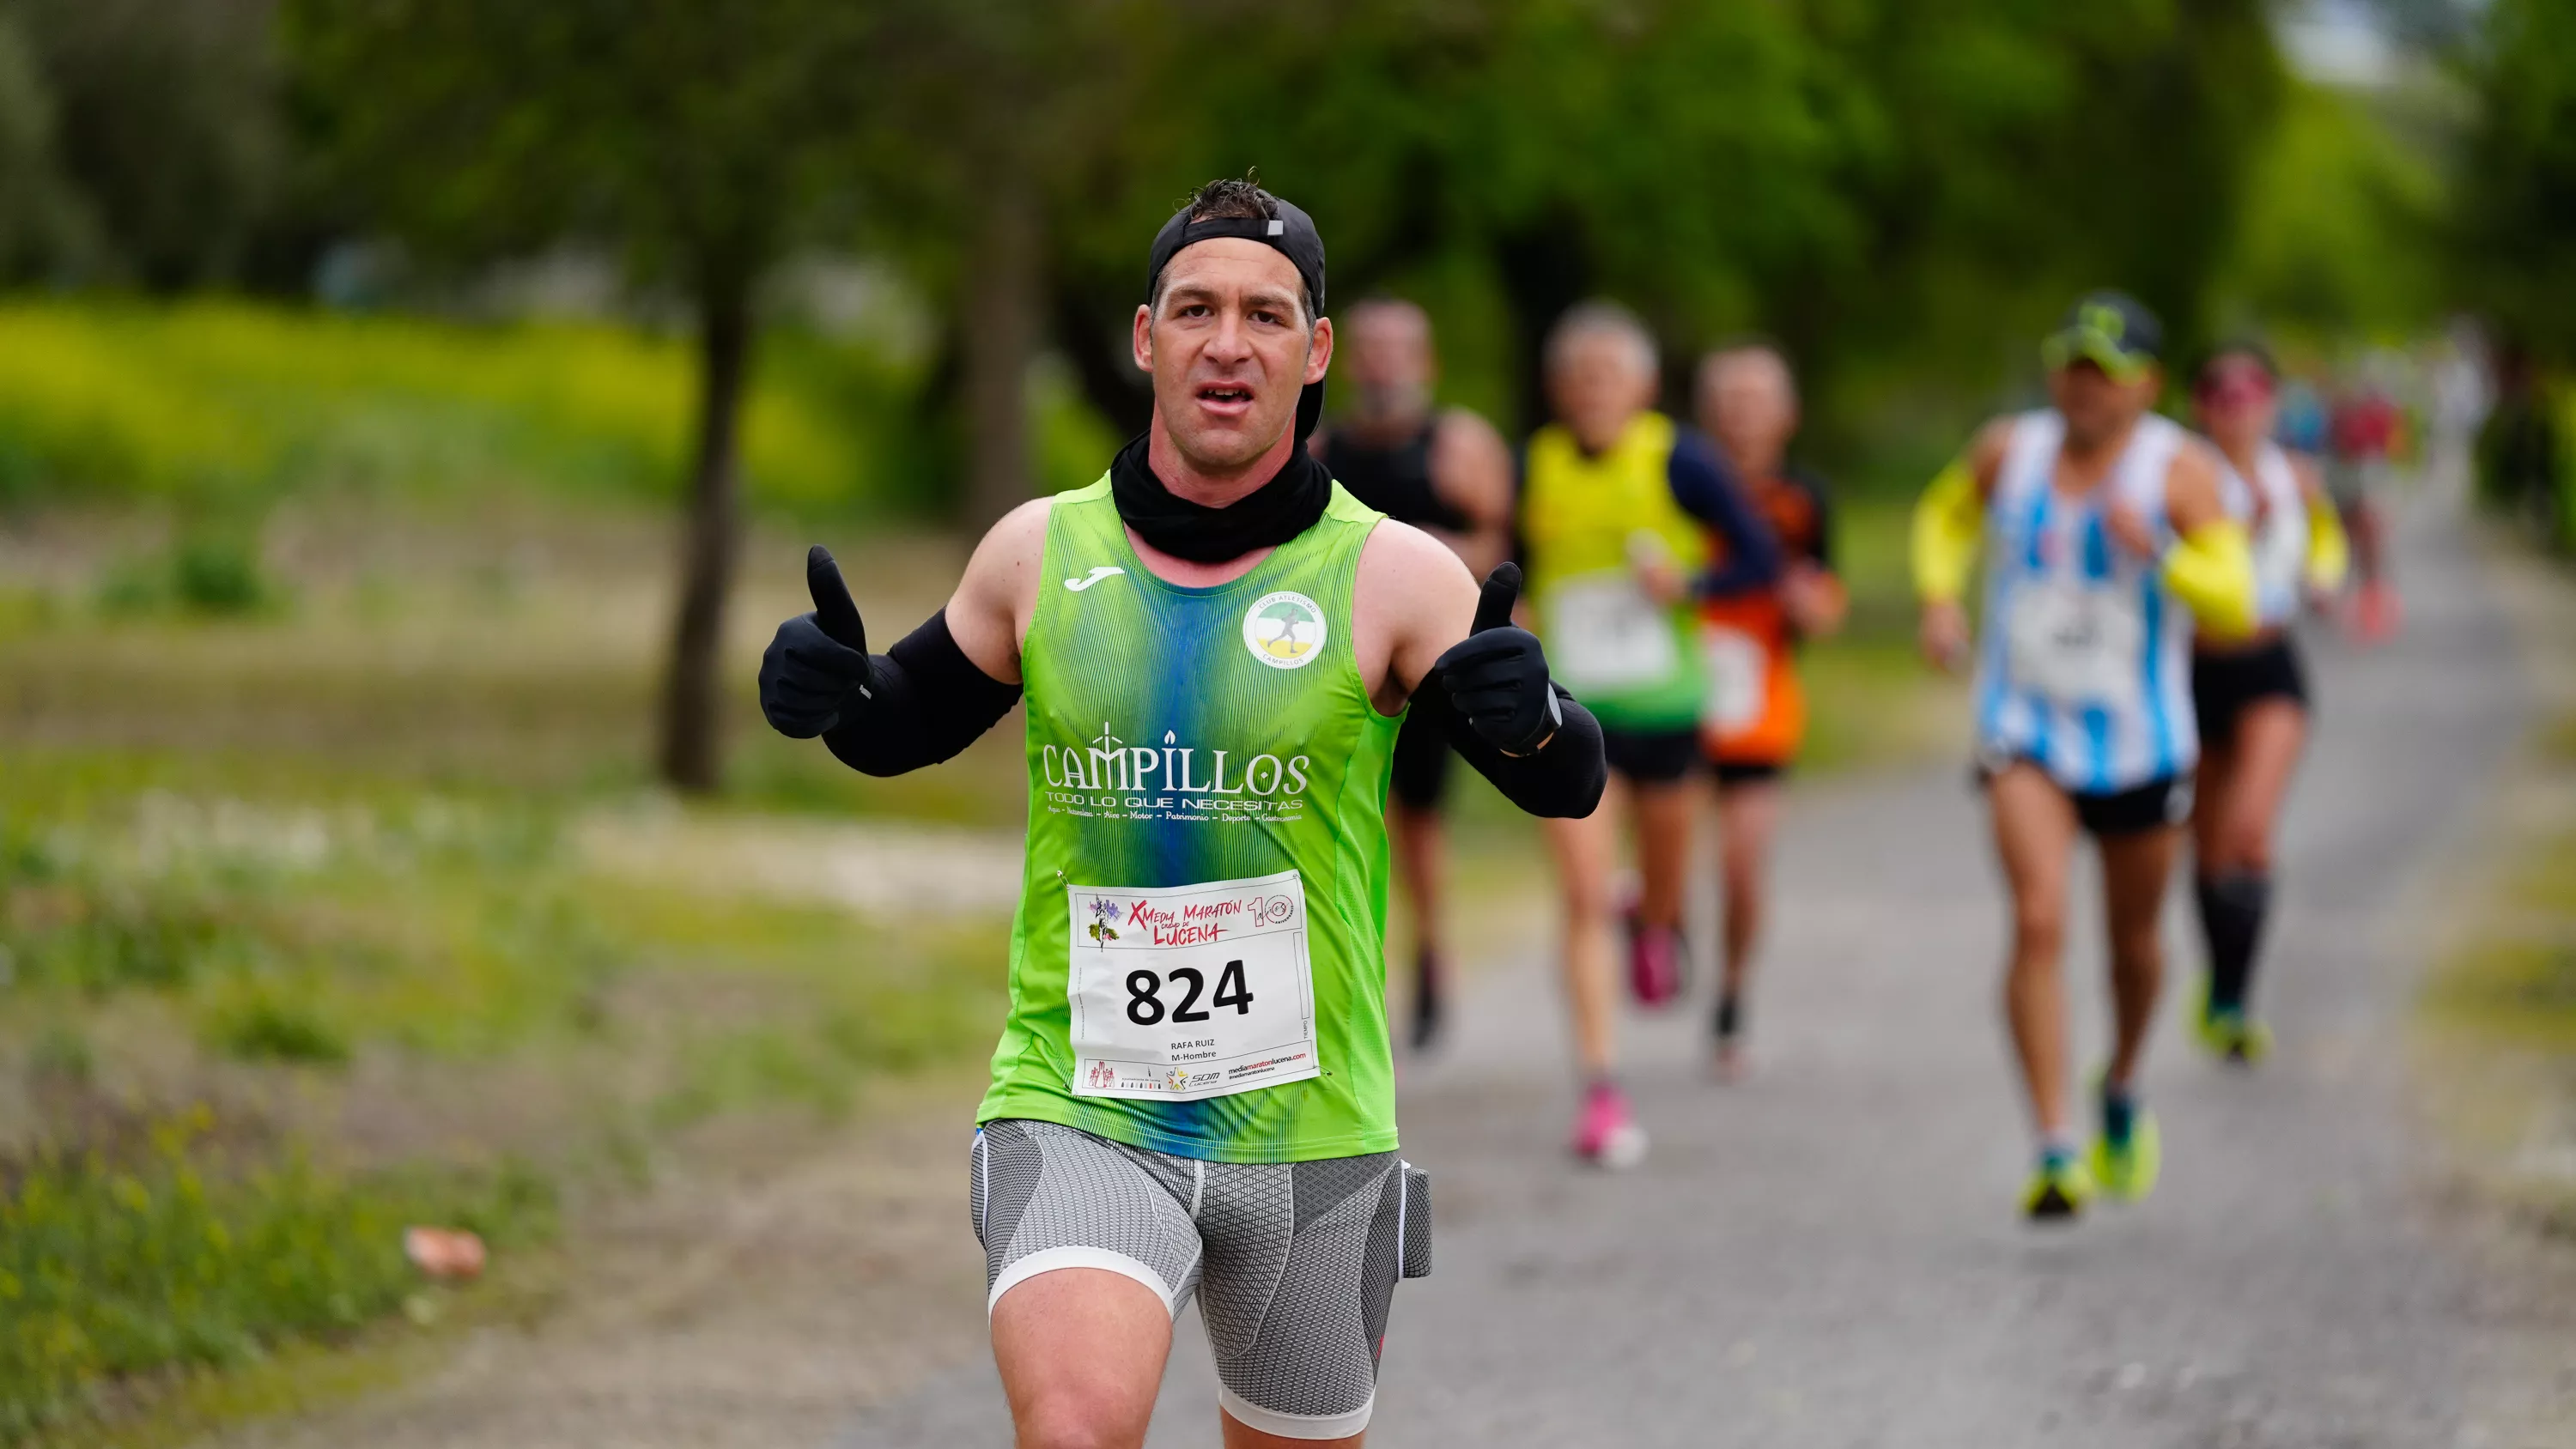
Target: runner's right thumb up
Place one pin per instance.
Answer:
(1494, 602)
(834, 612)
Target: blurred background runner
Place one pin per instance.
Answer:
(2362, 436)
(1619, 509)
(1756, 714)
(1447, 472)
(2250, 695)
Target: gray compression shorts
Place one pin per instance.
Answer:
(1294, 1264)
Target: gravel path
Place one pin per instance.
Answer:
(1828, 1255)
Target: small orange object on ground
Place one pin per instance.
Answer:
(444, 1252)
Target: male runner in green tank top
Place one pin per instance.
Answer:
(1194, 1090)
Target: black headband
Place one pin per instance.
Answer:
(1291, 233)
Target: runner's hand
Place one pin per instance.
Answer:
(1497, 675)
(815, 676)
(1944, 635)
(1813, 599)
(2129, 529)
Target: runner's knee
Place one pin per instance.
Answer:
(2240, 845)
(2039, 932)
(1077, 1416)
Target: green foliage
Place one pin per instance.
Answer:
(186, 1253)
(234, 403)
(152, 142)
(1872, 180)
(260, 1024)
(2340, 228)
(100, 936)
(702, 139)
(2517, 190)
(214, 573)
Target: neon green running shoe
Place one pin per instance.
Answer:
(2128, 1170)
(2234, 1036)
(2059, 1188)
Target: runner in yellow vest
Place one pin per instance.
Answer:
(1617, 506)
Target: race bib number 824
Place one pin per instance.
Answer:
(1184, 992)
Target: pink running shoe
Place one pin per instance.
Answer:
(1654, 964)
(2375, 612)
(1606, 1135)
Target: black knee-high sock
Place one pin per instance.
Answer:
(2232, 905)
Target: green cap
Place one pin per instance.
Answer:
(2110, 329)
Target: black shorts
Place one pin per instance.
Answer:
(2109, 814)
(1421, 762)
(1748, 772)
(2223, 684)
(1651, 757)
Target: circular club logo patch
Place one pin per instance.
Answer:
(1284, 630)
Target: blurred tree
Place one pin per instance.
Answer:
(2340, 226)
(2516, 204)
(700, 141)
(1006, 113)
(1870, 180)
(33, 206)
(166, 150)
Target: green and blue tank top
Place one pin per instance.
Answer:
(1197, 962)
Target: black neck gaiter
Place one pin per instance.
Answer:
(1266, 517)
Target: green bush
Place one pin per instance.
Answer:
(216, 400)
(258, 1026)
(187, 1256)
(217, 574)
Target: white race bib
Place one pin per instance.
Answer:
(1739, 678)
(1604, 633)
(2076, 645)
(1184, 992)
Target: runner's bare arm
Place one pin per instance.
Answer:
(1471, 470)
(1412, 599)
(932, 694)
(990, 612)
(1414, 606)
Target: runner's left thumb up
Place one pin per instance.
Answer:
(834, 612)
(1493, 603)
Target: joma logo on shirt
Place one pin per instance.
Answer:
(1110, 763)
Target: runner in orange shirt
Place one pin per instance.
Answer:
(1756, 714)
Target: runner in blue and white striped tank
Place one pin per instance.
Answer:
(2108, 546)
(2085, 668)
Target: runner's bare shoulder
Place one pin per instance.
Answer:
(1412, 598)
(990, 612)
(1986, 452)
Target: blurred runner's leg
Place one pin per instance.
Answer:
(1446, 472)
(1755, 716)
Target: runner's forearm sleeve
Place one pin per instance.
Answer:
(2329, 550)
(1706, 488)
(1949, 523)
(1562, 779)
(2211, 569)
(930, 701)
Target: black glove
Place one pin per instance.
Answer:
(816, 674)
(1497, 675)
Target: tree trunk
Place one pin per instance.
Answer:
(691, 745)
(1002, 302)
